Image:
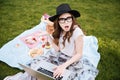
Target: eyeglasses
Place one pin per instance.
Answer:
(68, 19)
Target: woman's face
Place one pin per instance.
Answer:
(65, 21)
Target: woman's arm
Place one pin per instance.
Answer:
(79, 47)
(50, 38)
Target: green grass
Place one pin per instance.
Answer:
(100, 18)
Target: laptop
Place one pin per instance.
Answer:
(45, 71)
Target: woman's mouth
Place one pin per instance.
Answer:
(66, 26)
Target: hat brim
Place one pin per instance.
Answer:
(73, 12)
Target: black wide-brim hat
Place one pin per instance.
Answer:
(64, 8)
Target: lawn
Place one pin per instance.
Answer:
(100, 18)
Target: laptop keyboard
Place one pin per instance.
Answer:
(49, 73)
(46, 72)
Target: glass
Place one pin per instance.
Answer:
(62, 20)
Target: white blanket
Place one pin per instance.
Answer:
(15, 51)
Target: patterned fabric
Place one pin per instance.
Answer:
(20, 76)
(82, 70)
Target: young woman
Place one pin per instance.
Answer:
(68, 39)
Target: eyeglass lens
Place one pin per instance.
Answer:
(68, 19)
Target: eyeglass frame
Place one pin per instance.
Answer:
(65, 19)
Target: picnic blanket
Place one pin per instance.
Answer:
(16, 50)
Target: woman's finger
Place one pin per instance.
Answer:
(56, 75)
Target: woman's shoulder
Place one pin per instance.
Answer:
(77, 30)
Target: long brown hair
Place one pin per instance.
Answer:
(57, 31)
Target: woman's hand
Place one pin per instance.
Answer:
(58, 71)
(46, 20)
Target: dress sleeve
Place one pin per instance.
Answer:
(77, 32)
